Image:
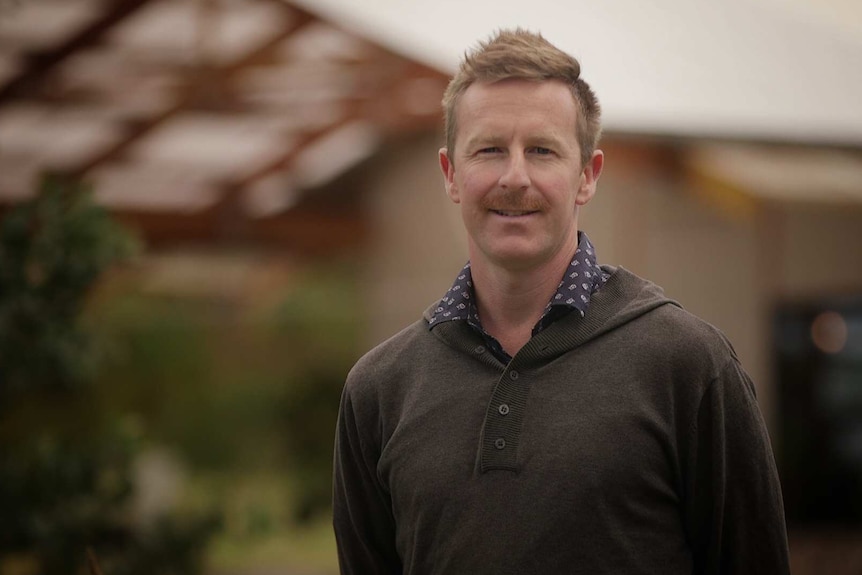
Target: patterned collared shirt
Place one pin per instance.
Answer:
(582, 279)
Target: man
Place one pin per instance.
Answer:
(548, 415)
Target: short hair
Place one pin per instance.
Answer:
(523, 55)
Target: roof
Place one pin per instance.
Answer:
(189, 106)
(196, 116)
(778, 70)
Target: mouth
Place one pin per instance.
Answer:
(513, 213)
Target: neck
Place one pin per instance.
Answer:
(510, 302)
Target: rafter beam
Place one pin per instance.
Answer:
(187, 97)
(306, 140)
(233, 221)
(384, 94)
(355, 109)
(309, 231)
(40, 63)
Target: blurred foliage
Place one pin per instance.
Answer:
(324, 318)
(66, 479)
(240, 387)
(52, 250)
(97, 371)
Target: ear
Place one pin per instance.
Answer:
(448, 169)
(590, 177)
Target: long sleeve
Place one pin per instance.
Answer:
(734, 511)
(362, 514)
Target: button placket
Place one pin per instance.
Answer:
(502, 428)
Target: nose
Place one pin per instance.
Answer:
(515, 175)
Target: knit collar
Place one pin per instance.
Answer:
(581, 279)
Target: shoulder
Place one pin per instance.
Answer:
(687, 361)
(665, 329)
(390, 363)
(383, 380)
(390, 353)
(683, 327)
(690, 343)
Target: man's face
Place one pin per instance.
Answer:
(516, 172)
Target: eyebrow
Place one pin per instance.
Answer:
(480, 142)
(545, 142)
(484, 142)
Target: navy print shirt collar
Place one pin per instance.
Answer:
(583, 278)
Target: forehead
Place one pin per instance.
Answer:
(544, 108)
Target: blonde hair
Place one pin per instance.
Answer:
(519, 54)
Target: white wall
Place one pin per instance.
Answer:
(418, 243)
(822, 250)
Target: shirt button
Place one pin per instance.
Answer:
(500, 443)
(513, 374)
(503, 409)
(480, 349)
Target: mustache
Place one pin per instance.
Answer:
(513, 201)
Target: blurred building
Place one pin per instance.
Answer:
(307, 129)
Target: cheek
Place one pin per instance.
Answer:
(570, 183)
(478, 180)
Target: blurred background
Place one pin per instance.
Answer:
(210, 208)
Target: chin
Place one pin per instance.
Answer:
(510, 252)
(518, 258)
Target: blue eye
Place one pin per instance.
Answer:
(542, 151)
(492, 150)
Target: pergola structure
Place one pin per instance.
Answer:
(202, 120)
